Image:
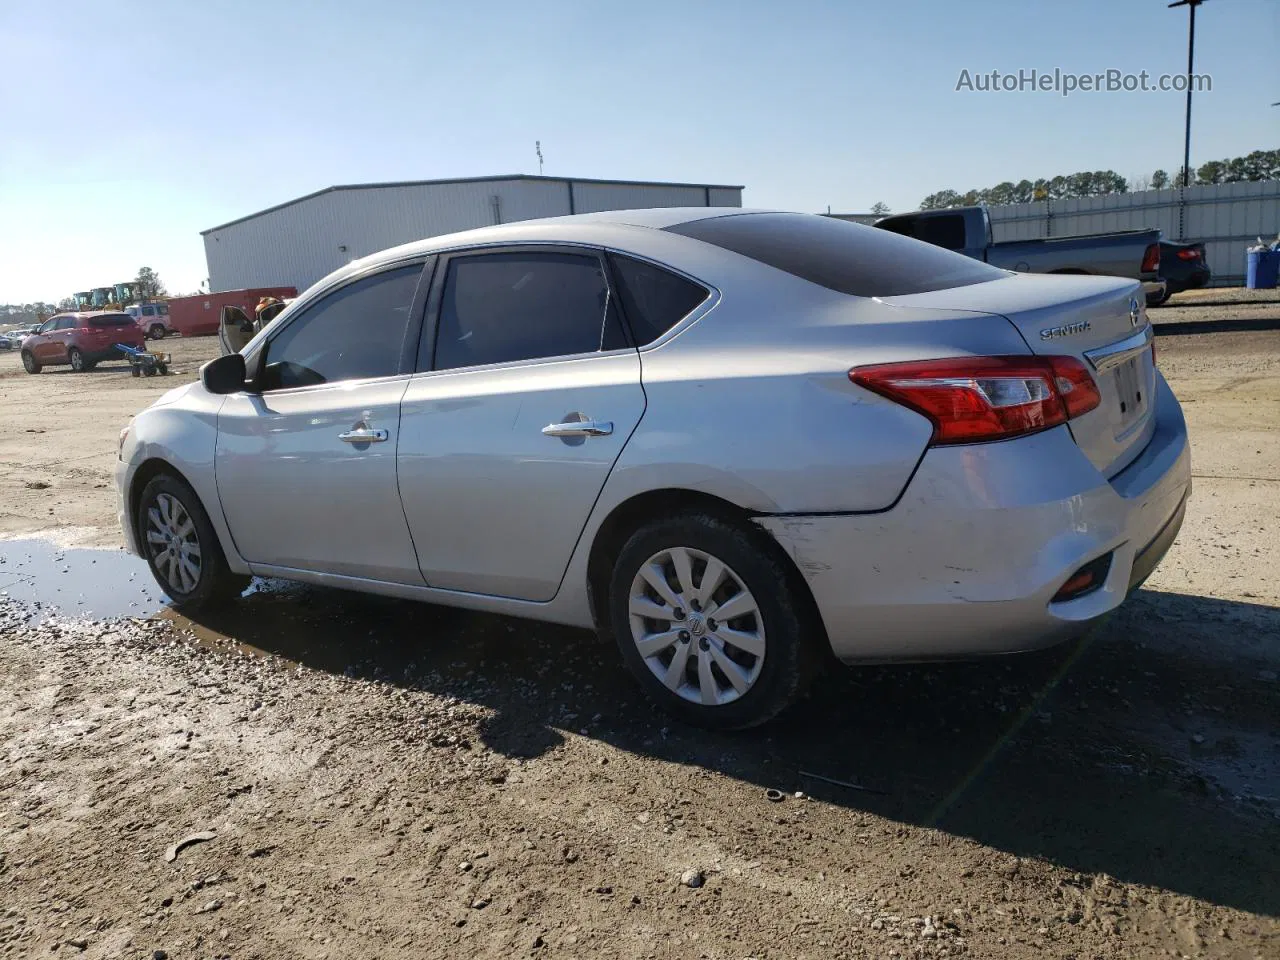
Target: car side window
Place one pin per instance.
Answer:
(654, 300)
(66, 323)
(354, 333)
(47, 325)
(503, 307)
(148, 311)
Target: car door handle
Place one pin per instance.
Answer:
(364, 435)
(578, 428)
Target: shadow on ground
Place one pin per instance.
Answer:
(1085, 755)
(1170, 328)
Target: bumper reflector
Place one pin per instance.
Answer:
(1085, 580)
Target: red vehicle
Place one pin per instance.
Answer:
(80, 339)
(200, 315)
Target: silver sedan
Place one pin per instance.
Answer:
(736, 442)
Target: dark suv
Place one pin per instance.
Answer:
(80, 339)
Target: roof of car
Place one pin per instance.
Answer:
(578, 227)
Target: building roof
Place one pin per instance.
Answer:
(494, 179)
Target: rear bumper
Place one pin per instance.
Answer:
(969, 560)
(1153, 288)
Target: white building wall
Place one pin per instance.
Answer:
(302, 242)
(1226, 217)
(594, 197)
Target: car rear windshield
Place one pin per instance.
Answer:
(842, 256)
(112, 320)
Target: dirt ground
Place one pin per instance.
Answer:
(386, 779)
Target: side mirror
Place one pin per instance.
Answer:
(224, 375)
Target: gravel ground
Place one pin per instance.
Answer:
(391, 779)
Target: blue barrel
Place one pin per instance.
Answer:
(1263, 270)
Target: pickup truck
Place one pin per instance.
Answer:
(1127, 253)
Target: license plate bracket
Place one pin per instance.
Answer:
(1128, 381)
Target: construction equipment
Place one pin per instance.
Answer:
(143, 363)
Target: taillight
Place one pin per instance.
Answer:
(1188, 253)
(976, 399)
(1151, 259)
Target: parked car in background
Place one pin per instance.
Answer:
(1182, 267)
(238, 327)
(82, 340)
(201, 315)
(12, 339)
(736, 441)
(1127, 253)
(152, 319)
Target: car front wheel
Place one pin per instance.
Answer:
(707, 621)
(181, 547)
(156, 332)
(29, 362)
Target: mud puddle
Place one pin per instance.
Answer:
(332, 630)
(103, 584)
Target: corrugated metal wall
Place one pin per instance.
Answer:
(1226, 217)
(302, 242)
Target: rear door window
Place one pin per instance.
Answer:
(504, 307)
(841, 256)
(653, 299)
(148, 311)
(66, 323)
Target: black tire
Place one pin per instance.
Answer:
(215, 583)
(156, 332)
(30, 363)
(791, 649)
(77, 360)
(1156, 299)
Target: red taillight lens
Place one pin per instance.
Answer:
(976, 399)
(1151, 259)
(1188, 253)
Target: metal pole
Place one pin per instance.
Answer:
(1191, 59)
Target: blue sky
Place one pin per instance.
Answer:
(127, 127)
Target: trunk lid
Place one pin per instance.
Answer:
(1099, 320)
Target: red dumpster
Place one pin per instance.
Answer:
(198, 316)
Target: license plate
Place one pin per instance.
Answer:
(1129, 389)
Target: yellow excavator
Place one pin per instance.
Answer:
(115, 297)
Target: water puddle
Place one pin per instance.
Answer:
(102, 584)
(333, 630)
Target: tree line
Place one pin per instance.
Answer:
(1259, 165)
(147, 284)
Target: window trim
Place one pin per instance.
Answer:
(431, 326)
(257, 352)
(707, 304)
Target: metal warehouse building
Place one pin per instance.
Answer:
(298, 242)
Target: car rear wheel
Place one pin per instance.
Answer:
(706, 620)
(156, 332)
(181, 547)
(77, 360)
(29, 362)
(1155, 299)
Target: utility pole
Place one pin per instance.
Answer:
(1191, 59)
(537, 146)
